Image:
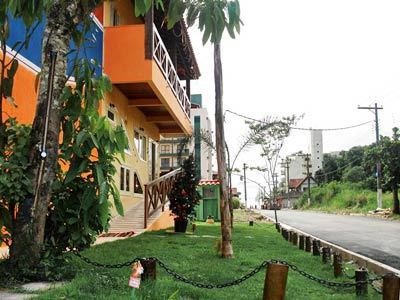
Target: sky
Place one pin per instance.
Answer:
(313, 57)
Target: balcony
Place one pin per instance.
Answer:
(151, 85)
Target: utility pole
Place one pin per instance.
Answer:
(245, 187)
(375, 109)
(286, 164)
(308, 166)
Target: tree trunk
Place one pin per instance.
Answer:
(396, 204)
(226, 246)
(28, 235)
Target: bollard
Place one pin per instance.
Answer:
(337, 264)
(294, 238)
(308, 243)
(283, 231)
(315, 248)
(326, 255)
(149, 269)
(290, 236)
(391, 287)
(251, 223)
(362, 282)
(286, 234)
(275, 282)
(301, 242)
(278, 227)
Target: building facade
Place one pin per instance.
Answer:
(150, 69)
(174, 151)
(316, 150)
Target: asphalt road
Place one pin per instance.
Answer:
(372, 237)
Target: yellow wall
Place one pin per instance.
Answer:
(132, 118)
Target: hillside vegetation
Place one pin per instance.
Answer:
(342, 197)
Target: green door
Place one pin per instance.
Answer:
(210, 208)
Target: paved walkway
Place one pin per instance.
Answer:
(372, 237)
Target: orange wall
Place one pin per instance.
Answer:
(124, 54)
(24, 94)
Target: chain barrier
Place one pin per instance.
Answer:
(257, 269)
(100, 265)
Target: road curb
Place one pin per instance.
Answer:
(359, 259)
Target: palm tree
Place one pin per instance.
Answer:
(214, 16)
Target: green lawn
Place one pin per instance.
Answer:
(196, 257)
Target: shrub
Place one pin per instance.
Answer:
(236, 202)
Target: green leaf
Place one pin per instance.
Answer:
(104, 213)
(13, 69)
(117, 199)
(103, 192)
(99, 175)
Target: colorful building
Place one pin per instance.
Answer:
(150, 69)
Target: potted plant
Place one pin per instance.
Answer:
(184, 197)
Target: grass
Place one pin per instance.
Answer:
(195, 256)
(343, 198)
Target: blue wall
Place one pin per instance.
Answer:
(93, 44)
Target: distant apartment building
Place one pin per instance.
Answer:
(174, 150)
(316, 149)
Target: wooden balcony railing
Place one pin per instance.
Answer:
(156, 193)
(164, 62)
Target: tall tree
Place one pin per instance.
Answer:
(389, 153)
(214, 16)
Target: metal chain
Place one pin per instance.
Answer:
(321, 281)
(238, 281)
(211, 286)
(100, 265)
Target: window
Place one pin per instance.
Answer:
(111, 112)
(114, 16)
(141, 144)
(125, 179)
(137, 187)
(165, 163)
(165, 149)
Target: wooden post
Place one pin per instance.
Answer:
(146, 204)
(278, 227)
(251, 223)
(301, 242)
(337, 264)
(308, 243)
(326, 255)
(315, 248)
(391, 287)
(294, 238)
(275, 282)
(362, 282)
(149, 269)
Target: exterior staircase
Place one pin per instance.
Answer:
(133, 220)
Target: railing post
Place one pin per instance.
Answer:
(337, 264)
(149, 269)
(315, 248)
(308, 243)
(301, 242)
(391, 287)
(326, 255)
(294, 238)
(361, 282)
(275, 282)
(146, 204)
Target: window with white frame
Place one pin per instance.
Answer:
(111, 112)
(140, 144)
(165, 149)
(125, 179)
(165, 162)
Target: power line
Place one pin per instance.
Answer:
(300, 128)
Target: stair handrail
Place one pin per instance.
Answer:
(156, 193)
